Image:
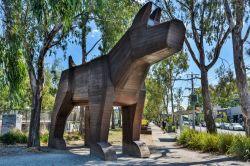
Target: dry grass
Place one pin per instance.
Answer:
(115, 136)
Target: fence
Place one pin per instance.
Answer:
(73, 120)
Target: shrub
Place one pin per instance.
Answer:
(72, 136)
(173, 128)
(240, 147)
(225, 142)
(44, 137)
(170, 128)
(185, 136)
(195, 141)
(14, 136)
(209, 142)
(144, 122)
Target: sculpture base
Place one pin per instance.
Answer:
(103, 150)
(57, 143)
(136, 149)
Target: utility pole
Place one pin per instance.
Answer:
(193, 97)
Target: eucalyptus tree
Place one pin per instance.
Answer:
(179, 98)
(154, 99)
(238, 12)
(12, 64)
(39, 26)
(164, 75)
(207, 29)
(225, 91)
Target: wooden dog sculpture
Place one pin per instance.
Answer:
(116, 79)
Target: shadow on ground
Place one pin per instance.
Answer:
(167, 139)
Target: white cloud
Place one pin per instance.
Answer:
(141, 1)
(94, 32)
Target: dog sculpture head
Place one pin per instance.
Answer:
(152, 41)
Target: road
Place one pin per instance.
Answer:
(221, 130)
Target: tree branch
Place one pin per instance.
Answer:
(194, 29)
(49, 39)
(192, 52)
(168, 10)
(218, 48)
(184, 5)
(246, 35)
(93, 47)
(201, 23)
(46, 45)
(229, 15)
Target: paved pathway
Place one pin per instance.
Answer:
(163, 152)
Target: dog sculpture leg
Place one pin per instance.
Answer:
(131, 124)
(100, 108)
(63, 107)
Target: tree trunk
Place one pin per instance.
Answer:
(208, 111)
(238, 46)
(113, 120)
(34, 128)
(241, 77)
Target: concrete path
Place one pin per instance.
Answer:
(163, 152)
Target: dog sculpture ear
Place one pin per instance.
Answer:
(71, 62)
(156, 15)
(143, 14)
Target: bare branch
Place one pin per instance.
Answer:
(46, 45)
(246, 35)
(168, 10)
(93, 47)
(218, 49)
(48, 41)
(184, 5)
(54, 43)
(192, 52)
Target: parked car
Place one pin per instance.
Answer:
(186, 123)
(225, 126)
(235, 126)
(203, 124)
(218, 125)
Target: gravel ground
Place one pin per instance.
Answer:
(162, 146)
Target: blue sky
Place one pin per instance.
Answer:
(94, 35)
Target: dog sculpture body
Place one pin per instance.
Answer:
(116, 79)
